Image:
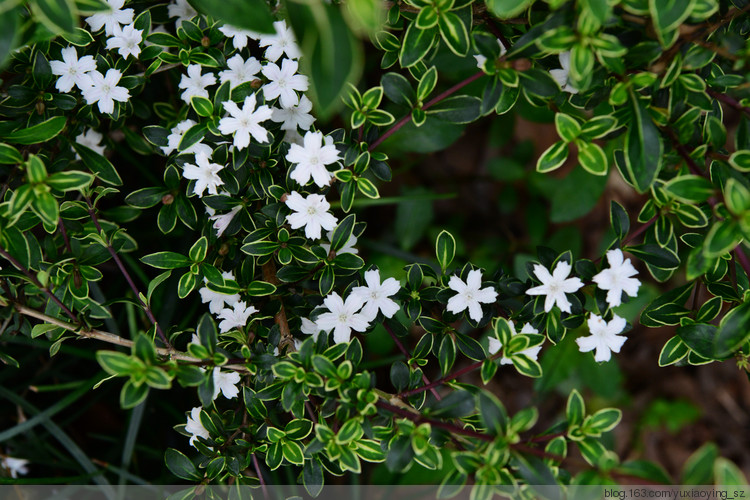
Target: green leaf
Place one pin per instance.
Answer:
(292, 452)
(69, 181)
(526, 366)
(9, 155)
(181, 466)
(699, 337)
(663, 258)
(116, 363)
(733, 331)
(98, 164)
(575, 409)
(673, 351)
(253, 15)
(553, 158)
(45, 206)
(78, 37)
(398, 89)
(331, 56)
(728, 474)
(57, 15)
(454, 33)
(724, 236)
(367, 188)
(146, 197)
(605, 420)
(619, 220)
(667, 15)
(427, 83)
(736, 197)
(740, 160)
(9, 21)
(192, 136)
(166, 260)
(592, 158)
(643, 147)
(40, 132)
(445, 249)
(202, 106)
(427, 18)
(699, 467)
(260, 288)
(690, 188)
(343, 232)
(132, 395)
(505, 9)
(197, 252)
(35, 170)
(457, 109)
(417, 42)
(492, 413)
(568, 127)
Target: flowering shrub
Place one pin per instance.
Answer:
(210, 115)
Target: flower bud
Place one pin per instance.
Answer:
(167, 199)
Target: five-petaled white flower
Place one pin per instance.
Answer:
(375, 295)
(310, 213)
(194, 426)
(103, 90)
(604, 337)
(245, 122)
(72, 70)
(561, 75)
(235, 317)
(126, 40)
(91, 139)
(112, 18)
(343, 317)
(617, 278)
(555, 286)
(532, 352)
(15, 466)
(182, 10)
(281, 42)
(194, 83)
(309, 327)
(240, 71)
(239, 36)
(225, 383)
(217, 300)
(347, 248)
(470, 294)
(283, 82)
(296, 116)
(221, 222)
(312, 158)
(205, 174)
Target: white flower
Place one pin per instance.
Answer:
(293, 137)
(182, 10)
(205, 174)
(470, 294)
(221, 222)
(283, 82)
(235, 317)
(225, 383)
(240, 71)
(555, 286)
(103, 89)
(295, 116)
(91, 139)
(347, 248)
(309, 327)
(194, 83)
(281, 42)
(310, 213)
(618, 278)
(561, 75)
(343, 317)
(217, 300)
(112, 18)
(375, 295)
(604, 337)
(532, 352)
(239, 36)
(72, 70)
(312, 158)
(15, 466)
(195, 427)
(126, 40)
(245, 122)
(481, 59)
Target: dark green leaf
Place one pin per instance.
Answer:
(253, 15)
(41, 132)
(166, 260)
(98, 164)
(643, 147)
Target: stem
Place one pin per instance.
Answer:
(406, 353)
(38, 284)
(640, 230)
(448, 378)
(260, 476)
(418, 419)
(65, 236)
(742, 258)
(403, 121)
(730, 101)
(125, 273)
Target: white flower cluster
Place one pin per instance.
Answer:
(358, 310)
(616, 279)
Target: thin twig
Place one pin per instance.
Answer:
(125, 273)
(38, 284)
(260, 476)
(406, 353)
(449, 377)
(728, 100)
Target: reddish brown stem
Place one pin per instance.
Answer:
(419, 419)
(406, 353)
(449, 377)
(403, 121)
(729, 100)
